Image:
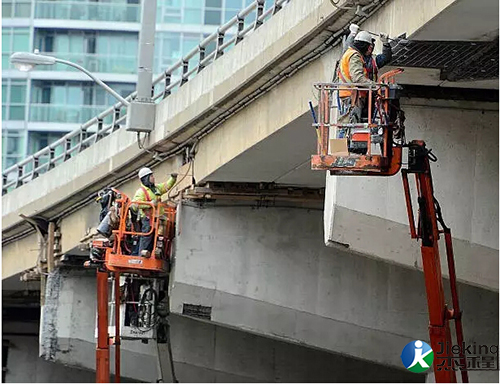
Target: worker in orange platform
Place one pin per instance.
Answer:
(359, 66)
(149, 192)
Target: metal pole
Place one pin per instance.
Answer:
(146, 51)
(142, 111)
(117, 328)
(97, 80)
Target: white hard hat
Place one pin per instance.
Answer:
(364, 36)
(144, 172)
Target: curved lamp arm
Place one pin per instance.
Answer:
(98, 81)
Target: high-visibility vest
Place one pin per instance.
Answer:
(345, 75)
(147, 194)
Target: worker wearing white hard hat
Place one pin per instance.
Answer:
(358, 66)
(149, 192)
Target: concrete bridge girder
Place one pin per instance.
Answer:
(296, 30)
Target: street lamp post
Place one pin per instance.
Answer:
(26, 61)
(142, 110)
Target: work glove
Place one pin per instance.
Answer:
(354, 28)
(384, 38)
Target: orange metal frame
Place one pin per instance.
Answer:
(116, 262)
(428, 232)
(386, 164)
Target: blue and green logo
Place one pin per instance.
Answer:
(417, 356)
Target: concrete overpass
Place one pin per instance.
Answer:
(266, 274)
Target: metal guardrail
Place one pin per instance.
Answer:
(95, 129)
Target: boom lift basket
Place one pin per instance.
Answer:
(118, 254)
(372, 146)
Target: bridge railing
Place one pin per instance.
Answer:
(110, 120)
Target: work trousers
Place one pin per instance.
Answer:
(146, 242)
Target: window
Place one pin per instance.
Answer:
(213, 3)
(12, 147)
(13, 99)
(40, 140)
(236, 4)
(14, 39)
(71, 101)
(16, 8)
(232, 8)
(193, 12)
(212, 17)
(97, 51)
(171, 11)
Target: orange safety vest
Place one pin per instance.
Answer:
(345, 75)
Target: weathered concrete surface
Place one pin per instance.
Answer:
(19, 256)
(267, 271)
(203, 351)
(369, 213)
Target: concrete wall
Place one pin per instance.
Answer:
(24, 365)
(68, 327)
(203, 351)
(369, 213)
(267, 271)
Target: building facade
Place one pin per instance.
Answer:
(40, 106)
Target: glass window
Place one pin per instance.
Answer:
(12, 142)
(22, 8)
(6, 9)
(61, 43)
(229, 14)
(39, 140)
(13, 99)
(74, 95)
(18, 93)
(171, 45)
(6, 39)
(21, 40)
(4, 91)
(234, 4)
(16, 112)
(213, 3)
(189, 41)
(212, 17)
(192, 16)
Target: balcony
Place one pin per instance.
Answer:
(76, 10)
(94, 63)
(62, 113)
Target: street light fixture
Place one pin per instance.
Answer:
(141, 111)
(26, 61)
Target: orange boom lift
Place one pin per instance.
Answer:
(114, 257)
(374, 147)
